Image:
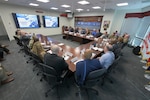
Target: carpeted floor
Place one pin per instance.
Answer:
(128, 79)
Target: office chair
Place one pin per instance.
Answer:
(91, 80)
(36, 60)
(51, 77)
(19, 42)
(109, 70)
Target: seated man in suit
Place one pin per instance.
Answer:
(37, 48)
(55, 61)
(4, 76)
(83, 68)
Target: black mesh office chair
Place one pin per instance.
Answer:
(19, 42)
(109, 70)
(91, 80)
(51, 77)
(36, 60)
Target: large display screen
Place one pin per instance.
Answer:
(51, 22)
(26, 20)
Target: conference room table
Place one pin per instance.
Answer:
(70, 54)
(81, 38)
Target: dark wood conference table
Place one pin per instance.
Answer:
(81, 38)
(74, 54)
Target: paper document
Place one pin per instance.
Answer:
(74, 59)
(77, 61)
(49, 51)
(43, 43)
(93, 55)
(47, 46)
(66, 57)
(60, 44)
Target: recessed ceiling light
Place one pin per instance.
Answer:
(88, 10)
(5, 0)
(79, 9)
(84, 2)
(67, 10)
(45, 1)
(33, 4)
(96, 7)
(122, 4)
(54, 8)
(66, 6)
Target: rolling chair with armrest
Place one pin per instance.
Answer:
(91, 80)
(19, 42)
(36, 60)
(52, 78)
(109, 70)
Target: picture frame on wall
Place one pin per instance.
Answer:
(106, 24)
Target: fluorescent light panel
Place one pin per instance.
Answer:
(122, 4)
(67, 10)
(96, 7)
(84, 2)
(45, 1)
(33, 4)
(54, 8)
(65, 6)
(79, 9)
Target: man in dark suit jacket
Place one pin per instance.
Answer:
(55, 61)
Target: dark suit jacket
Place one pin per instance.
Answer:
(55, 61)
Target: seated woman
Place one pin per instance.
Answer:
(4, 76)
(126, 37)
(87, 31)
(37, 48)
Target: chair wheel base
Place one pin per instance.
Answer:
(77, 94)
(46, 95)
(41, 80)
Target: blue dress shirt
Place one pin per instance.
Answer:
(107, 59)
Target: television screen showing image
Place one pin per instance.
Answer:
(51, 22)
(26, 20)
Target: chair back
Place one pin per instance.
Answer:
(49, 72)
(36, 58)
(94, 77)
(114, 64)
(19, 42)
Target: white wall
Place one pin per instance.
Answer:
(6, 15)
(119, 17)
(107, 15)
(146, 9)
(2, 28)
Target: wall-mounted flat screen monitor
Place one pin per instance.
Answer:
(26, 20)
(50, 21)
